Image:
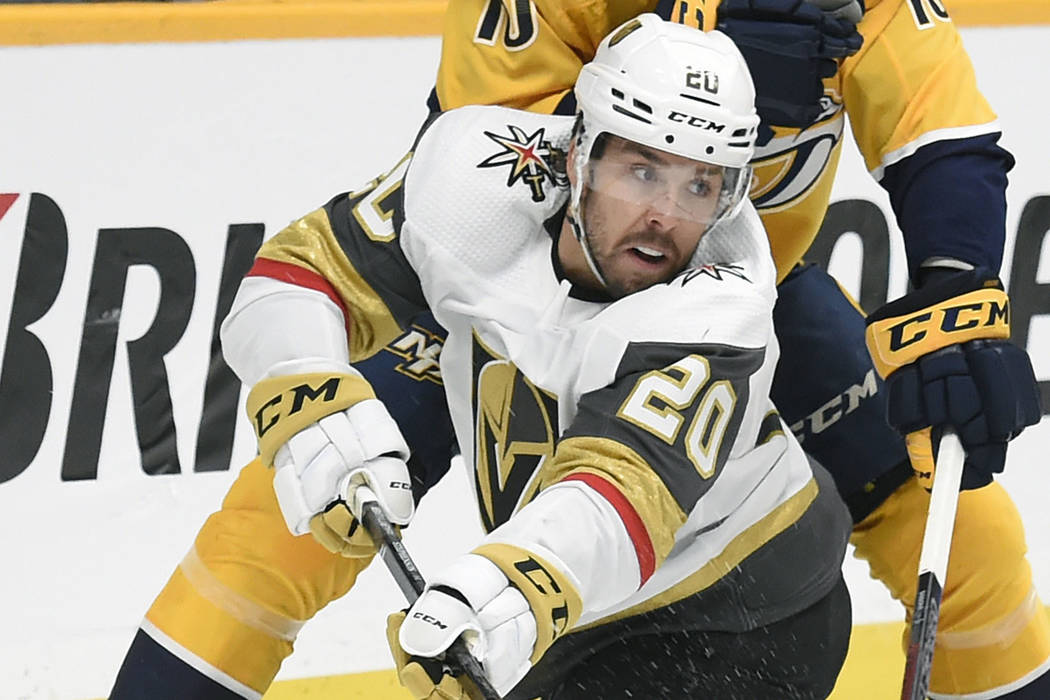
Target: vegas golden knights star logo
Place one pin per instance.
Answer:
(716, 271)
(515, 426)
(532, 160)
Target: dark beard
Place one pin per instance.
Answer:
(648, 237)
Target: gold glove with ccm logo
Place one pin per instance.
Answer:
(945, 353)
(326, 434)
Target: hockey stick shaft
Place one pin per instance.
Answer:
(411, 582)
(933, 566)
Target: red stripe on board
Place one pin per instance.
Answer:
(636, 530)
(6, 200)
(293, 274)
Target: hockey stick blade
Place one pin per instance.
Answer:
(411, 582)
(933, 566)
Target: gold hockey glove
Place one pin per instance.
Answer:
(509, 605)
(325, 434)
(426, 678)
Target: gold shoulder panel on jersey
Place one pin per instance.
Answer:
(521, 53)
(352, 243)
(912, 82)
(630, 474)
(310, 243)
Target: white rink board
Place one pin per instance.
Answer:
(194, 138)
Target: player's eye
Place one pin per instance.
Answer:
(701, 188)
(643, 172)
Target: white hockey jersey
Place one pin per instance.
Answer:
(631, 443)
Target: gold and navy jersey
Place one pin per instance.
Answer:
(656, 405)
(910, 93)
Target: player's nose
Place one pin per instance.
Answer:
(662, 211)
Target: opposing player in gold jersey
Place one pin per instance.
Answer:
(929, 137)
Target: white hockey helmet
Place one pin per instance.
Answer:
(672, 88)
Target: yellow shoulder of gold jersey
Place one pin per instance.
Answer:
(970, 13)
(484, 58)
(911, 84)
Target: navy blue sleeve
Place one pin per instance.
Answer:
(407, 379)
(950, 201)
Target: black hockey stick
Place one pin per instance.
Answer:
(933, 566)
(411, 582)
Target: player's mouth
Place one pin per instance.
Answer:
(649, 256)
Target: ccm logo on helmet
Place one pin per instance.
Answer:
(698, 122)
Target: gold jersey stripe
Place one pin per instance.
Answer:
(630, 474)
(310, 243)
(975, 13)
(229, 20)
(226, 20)
(741, 547)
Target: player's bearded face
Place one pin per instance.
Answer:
(645, 211)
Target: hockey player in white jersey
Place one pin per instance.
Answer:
(653, 530)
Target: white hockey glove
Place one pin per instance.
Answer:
(321, 427)
(509, 605)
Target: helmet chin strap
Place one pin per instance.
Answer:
(575, 212)
(581, 236)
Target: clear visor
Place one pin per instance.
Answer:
(650, 183)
